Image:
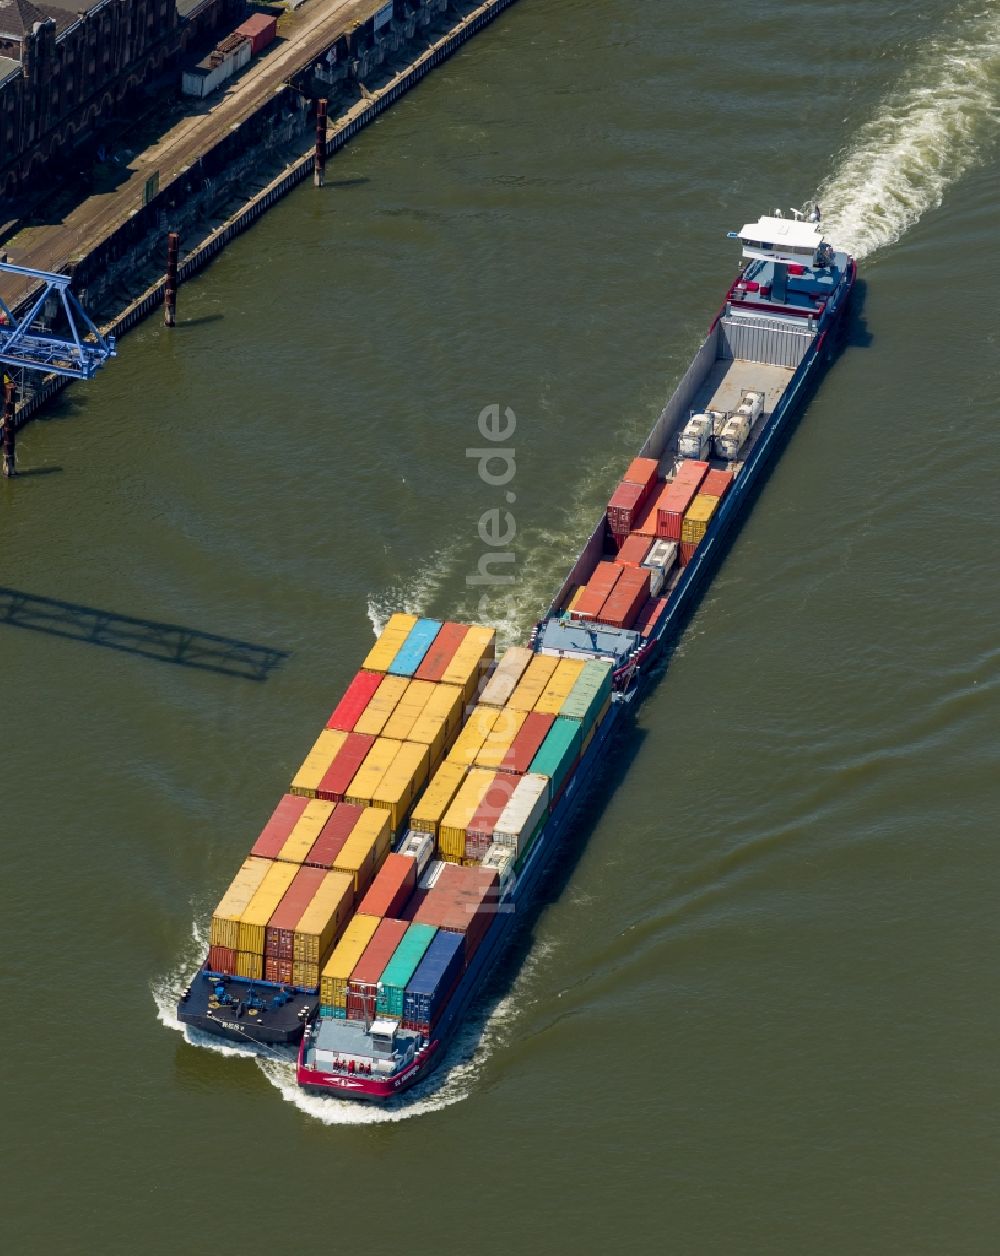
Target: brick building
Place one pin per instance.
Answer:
(69, 67)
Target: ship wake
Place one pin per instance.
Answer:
(934, 126)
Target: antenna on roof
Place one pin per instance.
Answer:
(797, 213)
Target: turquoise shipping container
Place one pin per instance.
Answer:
(397, 973)
(588, 696)
(411, 653)
(335, 1013)
(559, 752)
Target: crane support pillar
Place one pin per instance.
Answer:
(319, 157)
(7, 433)
(170, 287)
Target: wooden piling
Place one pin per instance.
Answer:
(170, 288)
(319, 157)
(7, 436)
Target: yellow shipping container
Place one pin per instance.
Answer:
(249, 965)
(446, 700)
(556, 691)
(323, 920)
(307, 828)
(324, 751)
(382, 705)
(696, 520)
(470, 740)
(437, 798)
(377, 762)
(431, 732)
(498, 739)
(365, 850)
(385, 649)
(344, 959)
(409, 709)
(465, 804)
(533, 682)
(577, 594)
(401, 783)
(263, 905)
(504, 680)
(225, 930)
(305, 974)
(471, 660)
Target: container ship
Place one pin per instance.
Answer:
(388, 879)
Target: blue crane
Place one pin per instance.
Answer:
(77, 351)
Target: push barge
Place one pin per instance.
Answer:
(388, 879)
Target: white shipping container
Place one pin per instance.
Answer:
(502, 859)
(520, 817)
(504, 680)
(656, 579)
(418, 846)
(662, 557)
(430, 877)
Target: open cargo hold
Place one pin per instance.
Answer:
(505, 729)
(589, 694)
(394, 882)
(390, 639)
(367, 846)
(225, 928)
(454, 822)
(532, 684)
(437, 798)
(471, 661)
(338, 776)
(470, 740)
(356, 697)
(319, 758)
(362, 985)
(428, 989)
(441, 652)
(368, 777)
(400, 969)
(597, 590)
(404, 778)
(504, 680)
(559, 685)
(411, 653)
(633, 550)
(463, 900)
(479, 830)
(279, 936)
(384, 700)
(559, 752)
(283, 820)
(343, 961)
(529, 805)
(333, 835)
(630, 594)
(525, 745)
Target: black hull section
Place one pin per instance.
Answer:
(251, 1017)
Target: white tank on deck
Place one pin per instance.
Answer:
(733, 437)
(696, 436)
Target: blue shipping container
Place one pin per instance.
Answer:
(411, 653)
(436, 974)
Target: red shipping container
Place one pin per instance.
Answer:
(716, 483)
(417, 898)
(394, 882)
(643, 471)
(333, 835)
(279, 935)
(278, 970)
(526, 744)
(260, 29)
(283, 819)
(687, 551)
(624, 506)
(690, 471)
(463, 901)
(628, 599)
(345, 766)
(645, 525)
(634, 550)
(671, 507)
(488, 812)
(222, 959)
(351, 706)
(597, 590)
(650, 616)
(442, 650)
(363, 983)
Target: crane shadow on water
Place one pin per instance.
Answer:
(164, 643)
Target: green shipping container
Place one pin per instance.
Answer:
(559, 752)
(397, 973)
(588, 695)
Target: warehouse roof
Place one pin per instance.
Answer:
(17, 17)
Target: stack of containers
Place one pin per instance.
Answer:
(441, 652)
(410, 707)
(498, 740)
(394, 882)
(253, 922)
(356, 697)
(411, 653)
(362, 985)
(673, 502)
(383, 702)
(560, 684)
(342, 962)
(324, 751)
(479, 830)
(437, 798)
(224, 936)
(400, 969)
(522, 818)
(283, 820)
(590, 698)
(532, 684)
(291, 841)
(504, 680)
(526, 744)
(471, 661)
(650, 616)
(630, 496)
(368, 777)
(403, 780)
(364, 851)
(597, 590)
(319, 926)
(622, 606)
(430, 987)
(337, 778)
(334, 834)
(389, 643)
(463, 900)
(439, 721)
(470, 740)
(279, 936)
(717, 483)
(695, 524)
(558, 754)
(634, 550)
(465, 804)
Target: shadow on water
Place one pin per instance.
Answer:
(24, 473)
(200, 321)
(165, 643)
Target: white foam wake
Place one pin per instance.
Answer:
(936, 124)
(414, 595)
